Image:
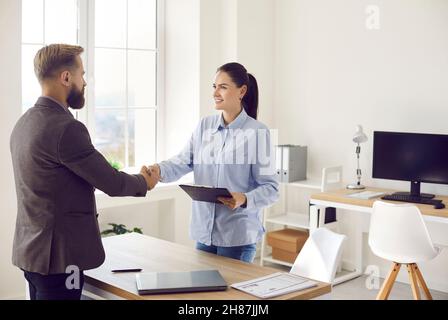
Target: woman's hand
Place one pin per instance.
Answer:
(155, 169)
(238, 199)
(151, 177)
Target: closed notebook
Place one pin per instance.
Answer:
(174, 282)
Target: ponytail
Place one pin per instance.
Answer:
(250, 99)
(241, 77)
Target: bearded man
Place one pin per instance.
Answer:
(56, 170)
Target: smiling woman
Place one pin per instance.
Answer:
(233, 228)
(237, 86)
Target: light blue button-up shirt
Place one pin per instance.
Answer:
(238, 157)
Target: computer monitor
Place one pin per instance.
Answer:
(414, 157)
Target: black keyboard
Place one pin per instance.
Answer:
(404, 198)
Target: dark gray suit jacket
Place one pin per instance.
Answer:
(56, 169)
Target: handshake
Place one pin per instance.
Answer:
(151, 175)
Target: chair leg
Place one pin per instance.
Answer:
(413, 281)
(421, 281)
(389, 282)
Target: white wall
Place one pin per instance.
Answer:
(182, 104)
(11, 279)
(256, 50)
(238, 31)
(332, 74)
(211, 54)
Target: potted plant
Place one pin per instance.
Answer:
(119, 229)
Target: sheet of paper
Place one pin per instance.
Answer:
(366, 195)
(274, 285)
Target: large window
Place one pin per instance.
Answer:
(121, 62)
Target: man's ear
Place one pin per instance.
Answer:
(65, 78)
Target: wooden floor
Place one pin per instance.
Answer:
(356, 289)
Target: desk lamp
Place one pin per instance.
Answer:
(358, 138)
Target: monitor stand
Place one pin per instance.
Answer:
(415, 192)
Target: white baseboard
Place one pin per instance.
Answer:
(20, 297)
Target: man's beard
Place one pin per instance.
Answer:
(76, 98)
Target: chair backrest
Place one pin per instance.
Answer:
(320, 256)
(398, 233)
(331, 178)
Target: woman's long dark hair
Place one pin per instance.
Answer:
(241, 77)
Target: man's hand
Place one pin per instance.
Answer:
(151, 178)
(156, 170)
(238, 199)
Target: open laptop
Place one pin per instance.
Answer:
(176, 282)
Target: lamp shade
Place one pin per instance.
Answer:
(359, 136)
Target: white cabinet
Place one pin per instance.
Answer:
(292, 210)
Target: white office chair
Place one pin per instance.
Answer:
(320, 256)
(398, 233)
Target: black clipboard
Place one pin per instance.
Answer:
(205, 194)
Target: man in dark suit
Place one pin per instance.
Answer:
(56, 170)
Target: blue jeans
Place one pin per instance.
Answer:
(244, 253)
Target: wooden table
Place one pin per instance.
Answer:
(156, 255)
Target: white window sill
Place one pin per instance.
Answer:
(162, 191)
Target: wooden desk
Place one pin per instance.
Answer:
(338, 199)
(151, 254)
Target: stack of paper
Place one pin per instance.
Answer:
(274, 285)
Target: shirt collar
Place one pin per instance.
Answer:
(235, 124)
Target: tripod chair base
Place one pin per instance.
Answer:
(415, 277)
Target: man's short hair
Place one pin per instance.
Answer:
(53, 58)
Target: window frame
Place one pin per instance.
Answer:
(86, 39)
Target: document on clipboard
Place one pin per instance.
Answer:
(205, 193)
(274, 285)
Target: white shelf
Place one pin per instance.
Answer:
(310, 184)
(291, 190)
(272, 260)
(291, 219)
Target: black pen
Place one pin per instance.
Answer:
(126, 270)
